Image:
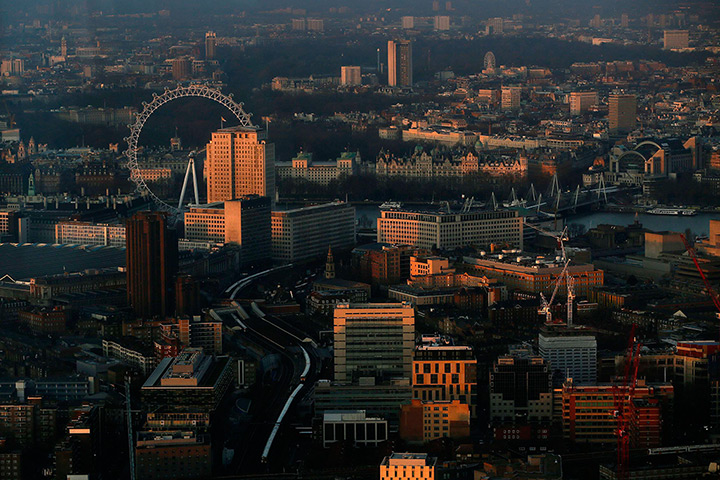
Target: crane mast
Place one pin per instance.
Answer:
(623, 398)
(570, 285)
(545, 308)
(710, 290)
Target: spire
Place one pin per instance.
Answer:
(330, 264)
(31, 185)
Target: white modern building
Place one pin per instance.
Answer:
(307, 232)
(450, 230)
(571, 354)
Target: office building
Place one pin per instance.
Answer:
(494, 26)
(580, 102)
(205, 223)
(151, 259)
(315, 24)
(407, 22)
(247, 223)
(586, 413)
(377, 400)
(425, 421)
(62, 389)
(676, 39)
(510, 98)
(9, 223)
(239, 162)
(190, 381)
(441, 22)
(12, 67)
(210, 45)
(172, 455)
(18, 421)
(534, 274)
(622, 112)
(520, 390)
(569, 353)
(373, 340)
(408, 466)
(181, 68)
(447, 231)
(305, 233)
(442, 371)
(87, 233)
(353, 425)
(350, 75)
(400, 64)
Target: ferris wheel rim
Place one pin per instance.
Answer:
(141, 117)
(489, 60)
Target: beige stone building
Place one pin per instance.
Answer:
(408, 466)
(239, 162)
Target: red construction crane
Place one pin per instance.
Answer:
(623, 396)
(710, 290)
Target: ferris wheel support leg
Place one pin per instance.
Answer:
(195, 183)
(185, 182)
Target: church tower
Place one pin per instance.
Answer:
(330, 265)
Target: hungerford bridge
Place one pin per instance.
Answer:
(555, 201)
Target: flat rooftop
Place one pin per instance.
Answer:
(286, 210)
(239, 128)
(25, 261)
(197, 372)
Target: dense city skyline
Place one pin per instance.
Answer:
(437, 239)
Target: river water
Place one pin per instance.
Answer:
(698, 224)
